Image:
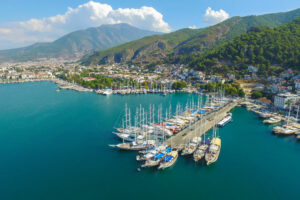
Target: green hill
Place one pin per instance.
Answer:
(269, 49)
(180, 45)
(78, 43)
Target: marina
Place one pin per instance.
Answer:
(286, 125)
(32, 164)
(181, 132)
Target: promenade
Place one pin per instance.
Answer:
(204, 124)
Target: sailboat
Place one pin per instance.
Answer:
(286, 129)
(214, 148)
(139, 143)
(157, 158)
(201, 150)
(168, 160)
(192, 145)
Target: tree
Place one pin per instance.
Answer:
(257, 94)
(179, 85)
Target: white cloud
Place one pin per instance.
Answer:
(213, 17)
(192, 27)
(90, 14)
(5, 31)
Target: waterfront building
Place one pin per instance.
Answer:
(280, 100)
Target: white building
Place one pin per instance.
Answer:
(280, 100)
(297, 84)
(252, 69)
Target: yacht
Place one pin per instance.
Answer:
(191, 147)
(214, 149)
(225, 120)
(200, 152)
(168, 160)
(107, 92)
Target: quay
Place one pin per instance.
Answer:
(177, 141)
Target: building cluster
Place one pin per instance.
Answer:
(30, 71)
(284, 88)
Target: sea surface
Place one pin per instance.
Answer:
(54, 146)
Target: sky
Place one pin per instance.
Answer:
(29, 21)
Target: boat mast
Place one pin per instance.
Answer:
(297, 114)
(126, 118)
(288, 120)
(135, 126)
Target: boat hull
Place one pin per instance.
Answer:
(211, 158)
(169, 164)
(151, 164)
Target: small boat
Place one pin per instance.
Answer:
(272, 120)
(58, 90)
(200, 152)
(225, 120)
(107, 92)
(284, 130)
(168, 160)
(264, 115)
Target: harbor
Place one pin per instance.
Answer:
(160, 142)
(32, 164)
(283, 124)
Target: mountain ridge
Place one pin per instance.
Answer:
(78, 43)
(171, 47)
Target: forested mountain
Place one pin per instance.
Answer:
(263, 47)
(179, 46)
(78, 43)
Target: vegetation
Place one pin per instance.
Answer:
(257, 95)
(186, 45)
(260, 46)
(232, 89)
(101, 82)
(179, 85)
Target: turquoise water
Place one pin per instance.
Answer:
(55, 146)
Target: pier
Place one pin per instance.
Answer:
(182, 137)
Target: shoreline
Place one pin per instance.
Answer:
(64, 85)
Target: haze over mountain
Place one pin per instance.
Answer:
(77, 43)
(186, 42)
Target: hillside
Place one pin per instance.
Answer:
(149, 48)
(263, 47)
(179, 45)
(78, 43)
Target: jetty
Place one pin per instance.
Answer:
(204, 124)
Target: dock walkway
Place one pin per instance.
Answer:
(182, 137)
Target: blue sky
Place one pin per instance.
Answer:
(175, 13)
(178, 13)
